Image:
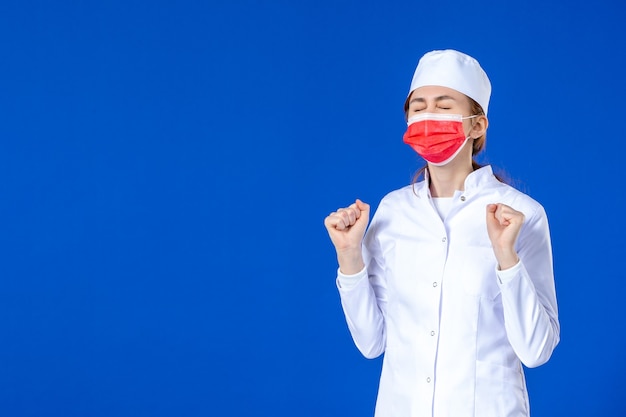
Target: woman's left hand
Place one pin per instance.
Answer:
(503, 226)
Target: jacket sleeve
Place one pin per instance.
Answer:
(364, 299)
(529, 296)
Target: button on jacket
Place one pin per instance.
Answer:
(454, 329)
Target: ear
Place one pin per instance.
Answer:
(480, 127)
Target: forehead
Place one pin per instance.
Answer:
(431, 92)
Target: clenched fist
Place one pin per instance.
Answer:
(503, 226)
(346, 228)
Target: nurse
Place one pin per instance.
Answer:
(453, 280)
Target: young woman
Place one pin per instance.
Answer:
(453, 280)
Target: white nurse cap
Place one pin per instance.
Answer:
(456, 70)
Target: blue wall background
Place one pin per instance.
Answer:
(166, 167)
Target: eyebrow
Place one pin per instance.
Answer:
(439, 98)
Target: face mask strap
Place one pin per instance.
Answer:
(472, 127)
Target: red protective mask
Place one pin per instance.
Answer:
(436, 137)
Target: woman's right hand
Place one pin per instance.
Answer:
(346, 228)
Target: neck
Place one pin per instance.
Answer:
(447, 179)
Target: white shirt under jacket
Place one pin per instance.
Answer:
(453, 328)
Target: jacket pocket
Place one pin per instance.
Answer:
(499, 391)
(477, 272)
